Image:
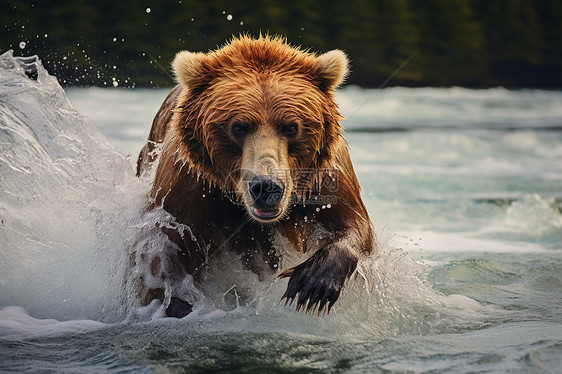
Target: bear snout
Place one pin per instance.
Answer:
(266, 192)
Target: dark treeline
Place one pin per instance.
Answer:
(477, 43)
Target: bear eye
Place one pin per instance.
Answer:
(290, 129)
(240, 129)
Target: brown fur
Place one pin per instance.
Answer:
(200, 175)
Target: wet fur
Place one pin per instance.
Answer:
(266, 83)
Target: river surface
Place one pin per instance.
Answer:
(464, 188)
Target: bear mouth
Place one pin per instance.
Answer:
(266, 215)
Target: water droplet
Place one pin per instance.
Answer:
(229, 17)
(114, 39)
(241, 23)
(22, 45)
(317, 209)
(147, 10)
(115, 84)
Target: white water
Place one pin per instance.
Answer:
(66, 198)
(465, 181)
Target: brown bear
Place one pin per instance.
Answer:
(247, 148)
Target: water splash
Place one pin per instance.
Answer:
(63, 191)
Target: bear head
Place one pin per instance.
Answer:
(257, 118)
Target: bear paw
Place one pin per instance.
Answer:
(318, 281)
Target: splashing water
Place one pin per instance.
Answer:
(64, 194)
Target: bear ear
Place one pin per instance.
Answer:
(332, 68)
(188, 68)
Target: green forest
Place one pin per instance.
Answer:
(473, 43)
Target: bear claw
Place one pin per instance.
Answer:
(318, 281)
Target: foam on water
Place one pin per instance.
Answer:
(16, 324)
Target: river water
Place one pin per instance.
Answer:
(464, 188)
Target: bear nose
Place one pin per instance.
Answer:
(266, 192)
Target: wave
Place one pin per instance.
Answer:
(449, 108)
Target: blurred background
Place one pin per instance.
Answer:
(472, 43)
